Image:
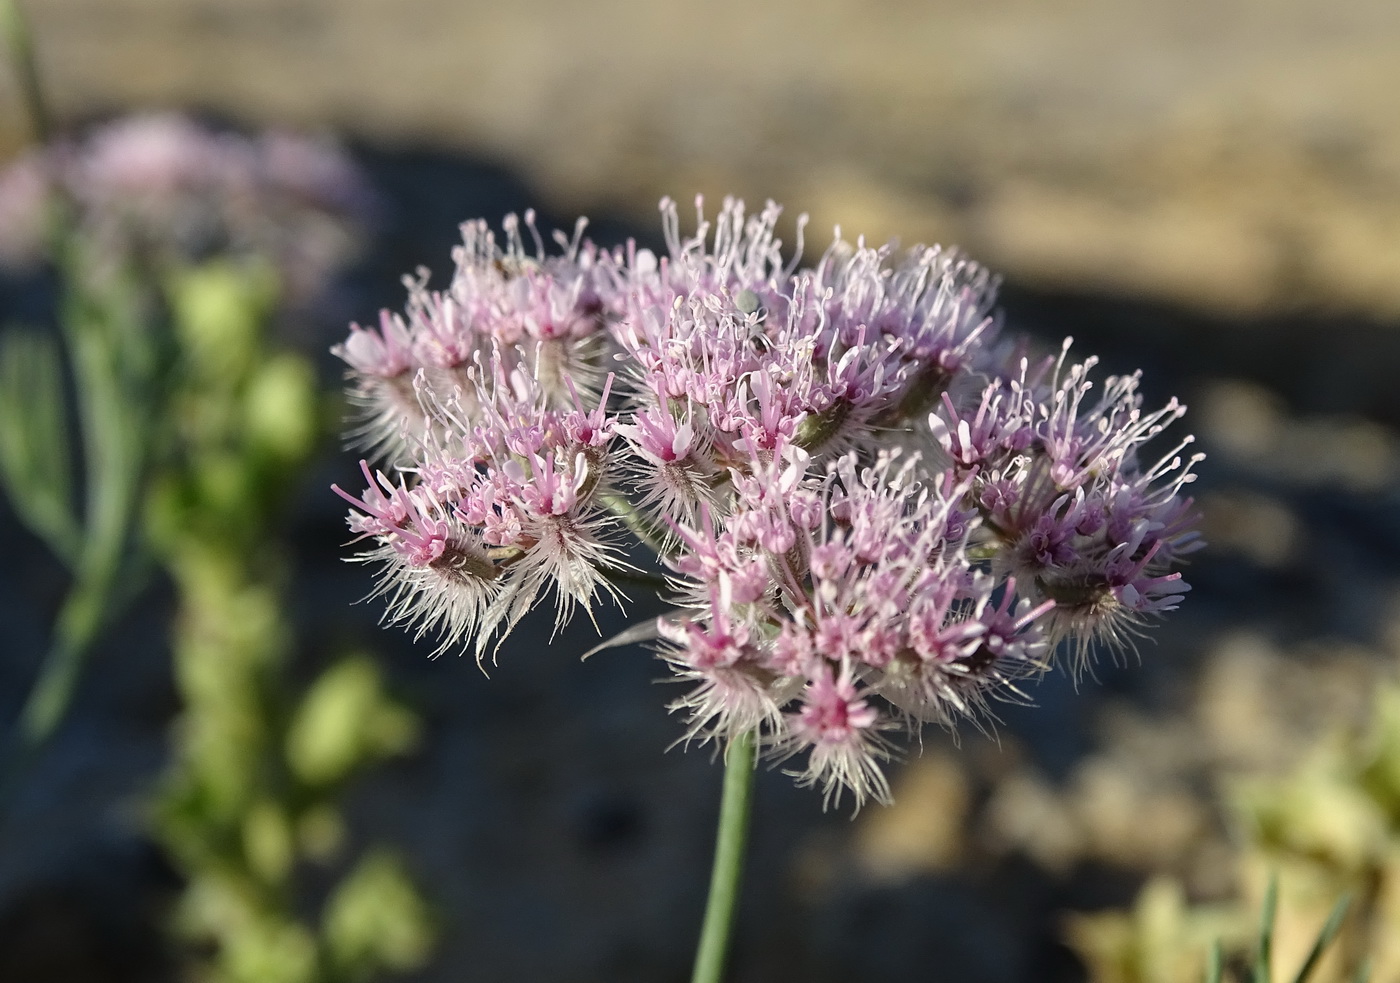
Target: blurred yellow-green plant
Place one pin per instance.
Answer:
(1329, 828)
(192, 432)
(252, 793)
(1333, 826)
(1162, 939)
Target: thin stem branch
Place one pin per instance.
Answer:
(112, 388)
(647, 532)
(728, 869)
(81, 617)
(638, 578)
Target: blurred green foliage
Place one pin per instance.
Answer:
(343, 720)
(1328, 829)
(112, 332)
(1161, 940)
(375, 918)
(193, 433)
(34, 451)
(1333, 826)
(252, 795)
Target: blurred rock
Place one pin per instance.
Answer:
(1259, 709)
(1261, 528)
(1242, 419)
(1250, 426)
(922, 832)
(1027, 814)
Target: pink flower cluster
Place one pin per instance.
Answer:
(874, 513)
(163, 184)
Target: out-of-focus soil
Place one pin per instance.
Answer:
(1239, 155)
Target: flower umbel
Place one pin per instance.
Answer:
(873, 513)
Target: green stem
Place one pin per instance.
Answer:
(79, 620)
(84, 611)
(729, 860)
(648, 532)
(21, 44)
(111, 395)
(637, 578)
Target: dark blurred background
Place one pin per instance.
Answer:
(1208, 191)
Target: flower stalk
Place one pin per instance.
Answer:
(727, 873)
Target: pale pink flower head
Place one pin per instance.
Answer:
(873, 514)
(437, 572)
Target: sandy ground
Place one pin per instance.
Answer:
(1239, 155)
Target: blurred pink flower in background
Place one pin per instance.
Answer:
(165, 185)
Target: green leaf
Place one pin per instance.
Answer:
(271, 950)
(220, 309)
(280, 409)
(376, 920)
(268, 842)
(1264, 954)
(1215, 969)
(35, 455)
(1329, 932)
(345, 720)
